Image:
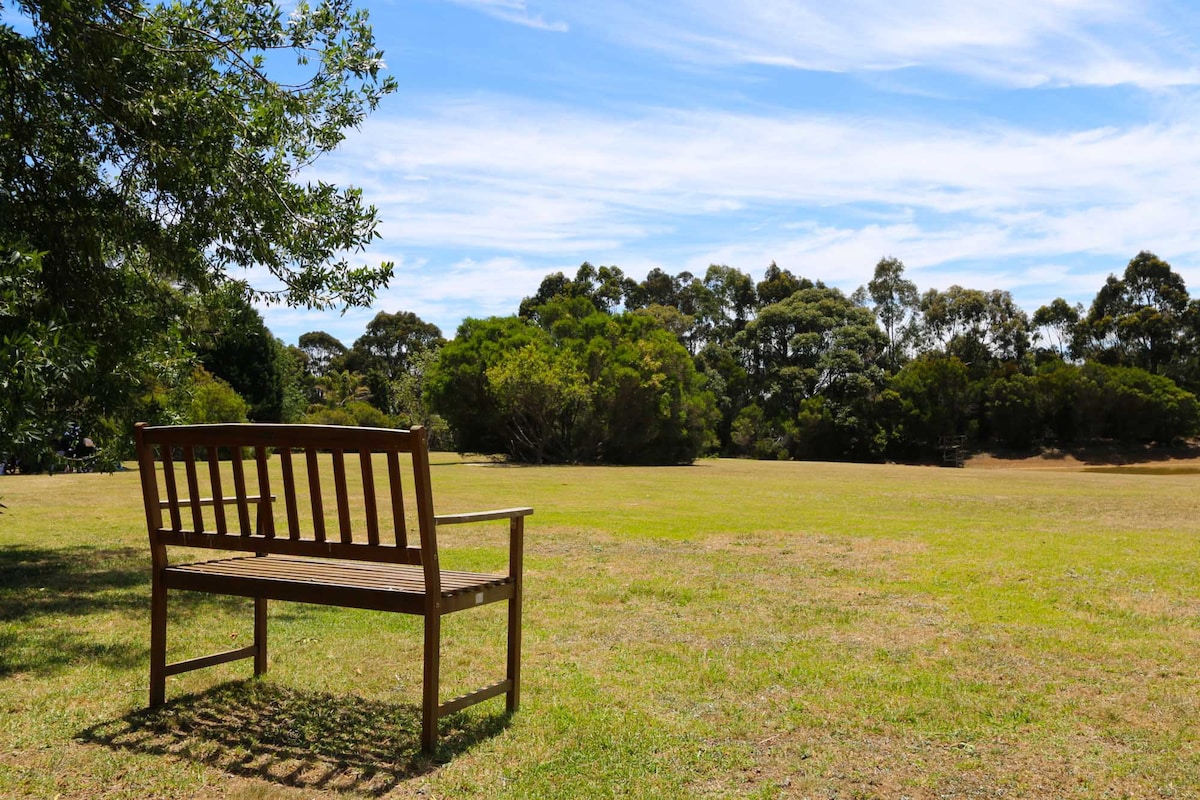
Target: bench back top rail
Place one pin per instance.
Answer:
(265, 488)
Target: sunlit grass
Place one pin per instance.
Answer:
(731, 628)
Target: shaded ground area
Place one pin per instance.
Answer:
(308, 740)
(1164, 459)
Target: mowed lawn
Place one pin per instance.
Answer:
(728, 629)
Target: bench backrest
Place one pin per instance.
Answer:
(264, 488)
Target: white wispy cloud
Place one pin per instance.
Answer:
(503, 174)
(515, 11)
(511, 190)
(481, 195)
(1016, 43)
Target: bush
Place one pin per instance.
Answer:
(209, 399)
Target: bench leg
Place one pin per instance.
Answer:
(260, 635)
(516, 568)
(429, 695)
(158, 643)
(513, 700)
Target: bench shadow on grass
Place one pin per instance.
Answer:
(302, 739)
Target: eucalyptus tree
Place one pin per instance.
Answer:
(896, 304)
(980, 328)
(322, 351)
(1140, 319)
(1058, 323)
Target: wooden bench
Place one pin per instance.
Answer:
(345, 545)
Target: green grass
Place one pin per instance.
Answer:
(730, 629)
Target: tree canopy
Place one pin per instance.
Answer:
(151, 154)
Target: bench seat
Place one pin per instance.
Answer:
(352, 584)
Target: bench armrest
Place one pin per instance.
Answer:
(516, 534)
(482, 516)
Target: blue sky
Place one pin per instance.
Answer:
(1033, 147)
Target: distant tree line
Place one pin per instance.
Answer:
(600, 367)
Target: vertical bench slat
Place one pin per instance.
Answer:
(193, 483)
(239, 488)
(368, 484)
(314, 493)
(395, 488)
(214, 477)
(266, 514)
(343, 496)
(289, 493)
(169, 483)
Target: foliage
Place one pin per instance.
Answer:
(297, 383)
(457, 385)
(936, 398)
(605, 288)
(815, 365)
(338, 388)
(207, 398)
(1139, 406)
(39, 355)
(895, 304)
(234, 344)
(541, 394)
(322, 351)
(390, 342)
(981, 328)
(390, 352)
(1140, 319)
(582, 385)
(147, 155)
(1058, 323)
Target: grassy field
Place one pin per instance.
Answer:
(729, 629)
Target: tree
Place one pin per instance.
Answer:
(233, 343)
(322, 351)
(936, 398)
(606, 288)
(392, 340)
(207, 398)
(388, 351)
(1057, 323)
(38, 354)
(148, 153)
(581, 385)
(816, 343)
(980, 328)
(778, 284)
(726, 305)
(1140, 319)
(896, 303)
(457, 386)
(659, 288)
(339, 388)
(542, 394)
